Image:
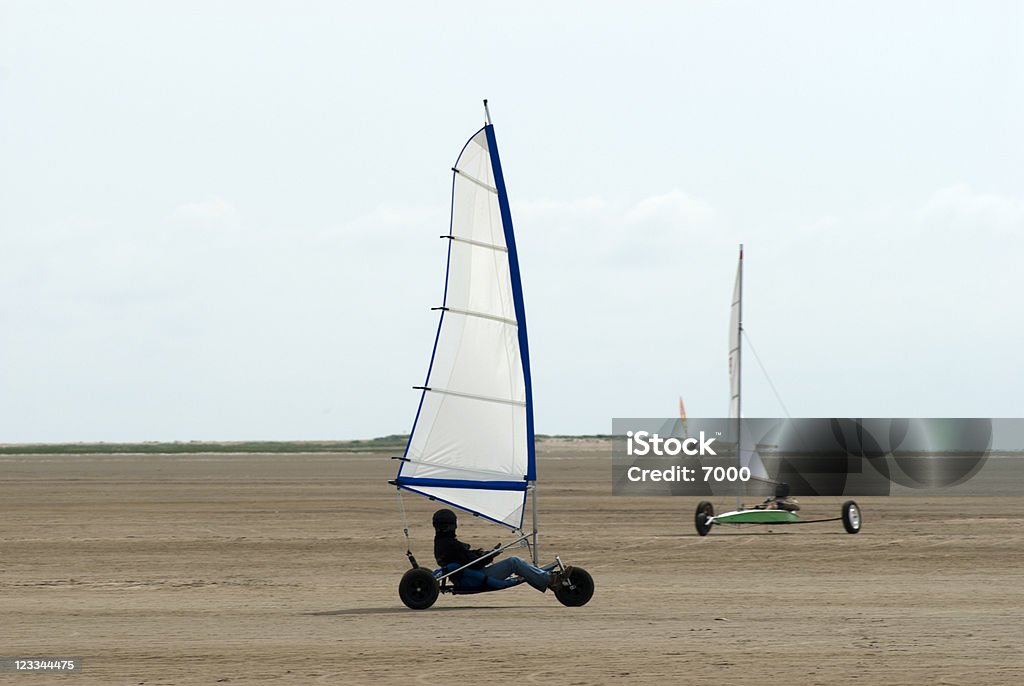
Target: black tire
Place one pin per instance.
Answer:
(418, 588)
(705, 510)
(578, 591)
(851, 517)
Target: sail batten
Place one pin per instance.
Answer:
(472, 396)
(468, 313)
(500, 248)
(470, 177)
(471, 445)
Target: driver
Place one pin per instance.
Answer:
(781, 501)
(448, 550)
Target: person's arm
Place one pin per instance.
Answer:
(491, 554)
(474, 555)
(467, 554)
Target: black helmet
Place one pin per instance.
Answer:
(445, 520)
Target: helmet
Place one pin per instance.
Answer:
(445, 520)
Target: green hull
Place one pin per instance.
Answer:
(757, 517)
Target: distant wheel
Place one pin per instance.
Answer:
(418, 588)
(578, 591)
(705, 511)
(851, 517)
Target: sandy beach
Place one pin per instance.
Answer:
(205, 569)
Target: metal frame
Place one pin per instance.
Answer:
(714, 520)
(801, 521)
(500, 549)
(490, 553)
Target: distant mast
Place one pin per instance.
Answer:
(735, 362)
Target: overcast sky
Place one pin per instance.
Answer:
(219, 220)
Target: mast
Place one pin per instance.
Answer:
(533, 509)
(739, 372)
(520, 311)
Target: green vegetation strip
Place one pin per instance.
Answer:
(388, 444)
(392, 445)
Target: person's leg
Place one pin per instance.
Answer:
(537, 578)
(498, 574)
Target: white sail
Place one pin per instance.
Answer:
(747, 455)
(472, 441)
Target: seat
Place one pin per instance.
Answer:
(471, 580)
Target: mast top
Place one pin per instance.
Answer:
(487, 113)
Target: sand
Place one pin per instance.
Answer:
(245, 569)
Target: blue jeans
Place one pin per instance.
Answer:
(501, 571)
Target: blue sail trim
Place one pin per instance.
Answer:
(462, 483)
(466, 509)
(517, 297)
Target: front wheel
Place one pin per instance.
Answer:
(705, 511)
(578, 590)
(418, 588)
(851, 517)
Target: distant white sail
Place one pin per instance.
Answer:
(747, 455)
(472, 442)
(735, 317)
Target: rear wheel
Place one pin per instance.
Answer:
(851, 517)
(705, 511)
(418, 588)
(578, 590)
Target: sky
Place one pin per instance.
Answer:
(220, 220)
